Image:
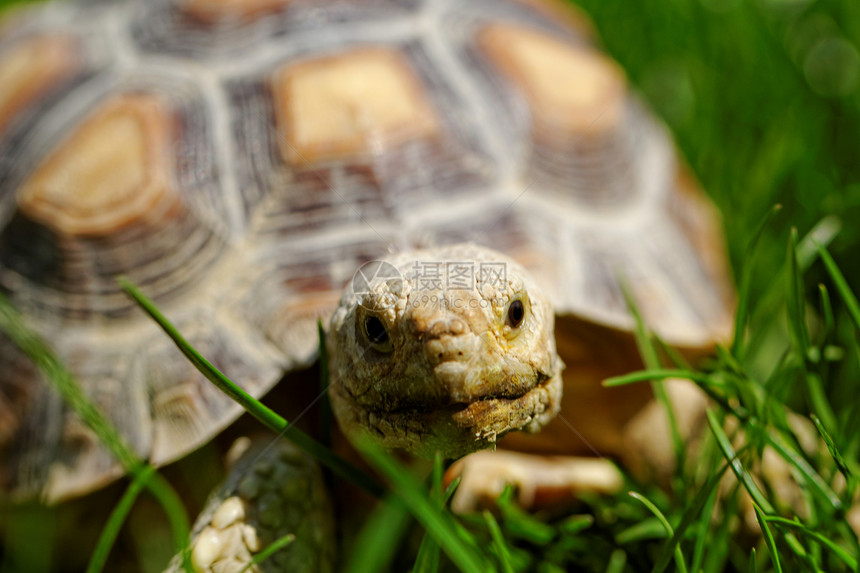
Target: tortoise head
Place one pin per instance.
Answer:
(443, 350)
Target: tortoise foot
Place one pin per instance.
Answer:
(540, 481)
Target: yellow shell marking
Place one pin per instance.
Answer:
(32, 68)
(567, 86)
(349, 104)
(108, 174)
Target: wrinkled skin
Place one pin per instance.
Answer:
(422, 367)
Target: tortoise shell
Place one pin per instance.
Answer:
(240, 159)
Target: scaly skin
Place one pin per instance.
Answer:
(273, 490)
(454, 372)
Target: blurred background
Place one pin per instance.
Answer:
(763, 97)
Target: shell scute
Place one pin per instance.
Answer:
(111, 174)
(185, 407)
(105, 202)
(568, 87)
(386, 158)
(54, 454)
(301, 285)
(211, 29)
(572, 106)
(356, 103)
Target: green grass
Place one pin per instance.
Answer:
(739, 83)
(763, 99)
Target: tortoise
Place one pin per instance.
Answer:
(240, 159)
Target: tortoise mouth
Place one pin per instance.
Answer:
(494, 395)
(484, 412)
(464, 427)
(456, 428)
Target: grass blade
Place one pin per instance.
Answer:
(451, 489)
(498, 542)
(702, 530)
(655, 374)
(261, 412)
(439, 523)
(438, 474)
(679, 557)
(167, 497)
(378, 539)
(831, 447)
(826, 312)
(796, 319)
(428, 552)
(741, 312)
(427, 560)
(117, 518)
(641, 530)
(822, 233)
(768, 538)
(651, 360)
(841, 285)
(270, 550)
(815, 482)
(818, 402)
(702, 496)
(521, 524)
(672, 354)
(576, 523)
(739, 470)
(617, 561)
(841, 553)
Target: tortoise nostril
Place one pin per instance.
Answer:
(450, 348)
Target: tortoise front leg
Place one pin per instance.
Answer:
(273, 490)
(539, 481)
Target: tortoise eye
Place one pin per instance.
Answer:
(376, 334)
(516, 313)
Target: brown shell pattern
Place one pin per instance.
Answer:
(239, 159)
